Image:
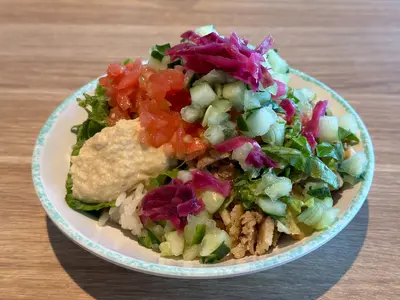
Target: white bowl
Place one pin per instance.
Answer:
(50, 165)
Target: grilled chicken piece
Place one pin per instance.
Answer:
(265, 235)
(236, 226)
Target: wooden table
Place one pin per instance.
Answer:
(50, 48)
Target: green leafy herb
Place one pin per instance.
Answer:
(348, 137)
(319, 192)
(163, 178)
(326, 150)
(318, 170)
(293, 156)
(97, 108)
(294, 129)
(300, 143)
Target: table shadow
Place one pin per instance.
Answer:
(306, 278)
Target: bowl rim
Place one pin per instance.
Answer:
(216, 271)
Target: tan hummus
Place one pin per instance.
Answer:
(112, 162)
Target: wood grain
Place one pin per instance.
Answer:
(50, 48)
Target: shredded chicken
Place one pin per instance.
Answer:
(211, 157)
(248, 236)
(226, 218)
(225, 172)
(276, 237)
(265, 235)
(236, 226)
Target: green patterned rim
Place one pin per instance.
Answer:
(209, 271)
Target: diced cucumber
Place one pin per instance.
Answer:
(202, 95)
(212, 201)
(276, 133)
(272, 89)
(155, 63)
(235, 93)
(218, 89)
(328, 129)
(312, 215)
(168, 226)
(273, 186)
(240, 154)
(284, 78)
(176, 242)
(263, 97)
(217, 118)
(215, 134)
(277, 63)
(274, 208)
(304, 94)
(184, 175)
(206, 115)
(191, 252)
(326, 202)
(260, 121)
(217, 255)
(349, 123)
(355, 165)
(212, 240)
(327, 219)
(212, 78)
(229, 129)
(191, 113)
(148, 239)
(165, 249)
(222, 105)
(304, 97)
(250, 101)
(205, 30)
(195, 228)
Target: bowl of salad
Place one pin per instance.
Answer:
(213, 158)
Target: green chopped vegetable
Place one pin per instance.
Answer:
(318, 170)
(148, 239)
(163, 178)
(292, 156)
(347, 137)
(80, 205)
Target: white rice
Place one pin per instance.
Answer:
(126, 212)
(103, 218)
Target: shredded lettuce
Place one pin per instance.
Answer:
(98, 109)
(163, 178)
(347, 137)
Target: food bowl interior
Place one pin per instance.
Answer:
(54, 162)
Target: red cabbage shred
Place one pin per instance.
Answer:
(231, 54)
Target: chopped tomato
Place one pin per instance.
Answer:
(115, 70)
(157, 98)
(178, 99)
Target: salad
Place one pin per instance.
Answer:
(206, 152)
